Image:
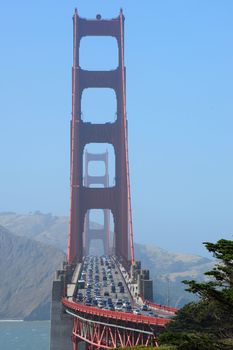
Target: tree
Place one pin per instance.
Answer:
(208, 323)
(220, 287)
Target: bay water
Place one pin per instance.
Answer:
(24, 335)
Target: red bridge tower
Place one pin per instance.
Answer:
(83, 198)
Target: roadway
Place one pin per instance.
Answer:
(103, 285)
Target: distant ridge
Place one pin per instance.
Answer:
(26, 269)
(33, 245)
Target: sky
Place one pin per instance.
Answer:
(179, 64)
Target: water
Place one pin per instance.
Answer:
(16, 335)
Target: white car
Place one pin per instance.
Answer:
(137, 312)
(101, 305)
(118, 307)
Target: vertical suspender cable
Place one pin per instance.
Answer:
(126, 138)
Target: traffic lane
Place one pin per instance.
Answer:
(105, 288)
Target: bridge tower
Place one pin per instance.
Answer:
(117, 198)
(102, 234)
(75, 323)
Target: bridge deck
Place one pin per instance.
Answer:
(102, 290)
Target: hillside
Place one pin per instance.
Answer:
(39, 230)
(26, 269)
(168, 269)
(46, 228)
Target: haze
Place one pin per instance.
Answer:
(179, 107)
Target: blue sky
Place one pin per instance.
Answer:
(179, 106)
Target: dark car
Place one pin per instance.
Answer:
(144, 307)
(122, 289)
(111, 307)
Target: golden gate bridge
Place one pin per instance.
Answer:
(102, 302)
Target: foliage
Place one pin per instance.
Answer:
(207, 324)
(189, 341)
(220, 287)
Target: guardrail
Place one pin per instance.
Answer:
(159, 306)
(156, 321)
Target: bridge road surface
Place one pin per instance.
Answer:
(98, 276)
(102, 279)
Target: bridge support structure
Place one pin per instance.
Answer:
(117, 198)
(61, 323)
(103, 233)
(103, 335)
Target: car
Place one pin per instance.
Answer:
(137, 312)
(110, 307)
(106, 294)
(120, 284)
(118, 304)
(121, 289)
(118, 308)
(101, 305)
(144, 307)
(126, 303)
(119, 301)
(113, 289)
(128, 308)
(116, 272)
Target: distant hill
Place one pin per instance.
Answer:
(26, 268)
(46, 228)
(168, 269)
(45, 236)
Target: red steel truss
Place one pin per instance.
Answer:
(116, 198)
(102, 335)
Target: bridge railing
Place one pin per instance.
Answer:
(114, 314)
(160, 307)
